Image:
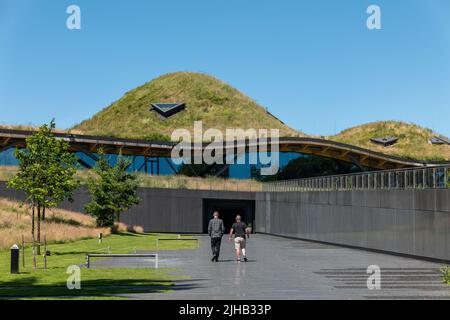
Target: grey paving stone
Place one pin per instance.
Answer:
(280, 268)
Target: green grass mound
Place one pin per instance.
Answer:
(207, 99)
(413, 140)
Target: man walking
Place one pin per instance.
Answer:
(216, 229)
(241, 232)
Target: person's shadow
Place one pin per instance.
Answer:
(225, 260)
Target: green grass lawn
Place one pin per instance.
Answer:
(99, 283)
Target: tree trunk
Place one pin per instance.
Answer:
(32, 235)
(32, 223)
(38, 249)
(43, 214)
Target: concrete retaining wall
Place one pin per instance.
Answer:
(160, 210)
(413, 222)
(171, 210)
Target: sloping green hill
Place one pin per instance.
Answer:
(413, 140)
(208, 99)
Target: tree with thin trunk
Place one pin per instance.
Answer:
(113, 190)
(46, 174)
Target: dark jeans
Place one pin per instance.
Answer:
(215, 246)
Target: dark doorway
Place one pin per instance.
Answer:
(228, 210)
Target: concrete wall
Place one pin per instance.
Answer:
(171, 210)
(160, 210)
(81, 197)
(412, 222)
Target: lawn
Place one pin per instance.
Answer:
(99, 283)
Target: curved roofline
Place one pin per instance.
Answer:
(321, 147)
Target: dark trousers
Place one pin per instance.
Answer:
(215, 246)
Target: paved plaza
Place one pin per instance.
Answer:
(280, 268)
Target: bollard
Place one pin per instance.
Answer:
(15, 259)
(100, 238)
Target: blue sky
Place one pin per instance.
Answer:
(314, 64)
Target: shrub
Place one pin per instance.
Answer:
(446, 274)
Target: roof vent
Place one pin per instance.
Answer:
(386, 141)
(439, 141)
(168, 109)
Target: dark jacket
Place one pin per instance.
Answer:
(216, 229)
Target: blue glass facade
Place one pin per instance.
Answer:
(292, 166)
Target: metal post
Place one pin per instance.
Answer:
(34, 254)
(415, 179)
(45, 252)
(15, 259)
(23, 252)
(406, 179)
(434, 178)
(389, 181)
(424, 177)
(446, 178)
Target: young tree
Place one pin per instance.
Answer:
(46, 174)
(113, 191)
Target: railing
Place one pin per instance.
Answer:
(197, 183)
(414, 178)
